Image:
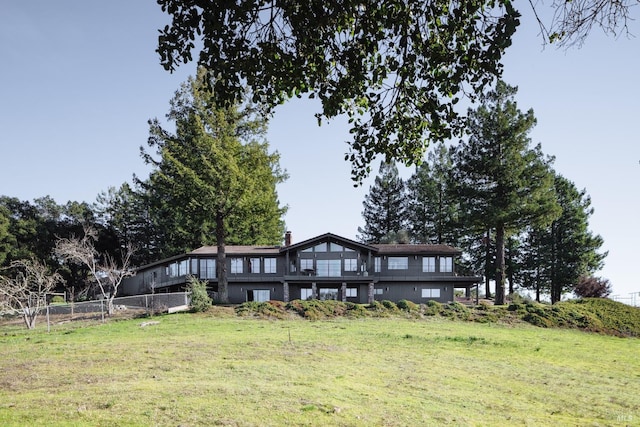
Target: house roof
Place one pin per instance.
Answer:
(266, 250)
(391, 249)
(327, 237)
(238, 250)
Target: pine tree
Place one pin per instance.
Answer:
(559, 254)
(503, 184)
(215, 180)
(432, 210)
(384, 206)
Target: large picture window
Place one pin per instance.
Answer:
(429, 264)
(398, 263)
(236, 266)
(328, 267)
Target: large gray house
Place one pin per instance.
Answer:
(324, 267)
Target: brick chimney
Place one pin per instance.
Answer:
(287, 239)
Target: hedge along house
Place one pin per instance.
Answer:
(324, 267)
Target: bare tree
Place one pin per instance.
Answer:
(26, 289)
(106, 271)
(573, 20)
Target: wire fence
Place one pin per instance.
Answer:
(150, 302)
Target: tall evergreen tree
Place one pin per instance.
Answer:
(215, 180)
(384, 206)
(559, 254)
(503, 183)
(125, 211)
(432, 210)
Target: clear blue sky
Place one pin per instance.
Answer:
(79, 80)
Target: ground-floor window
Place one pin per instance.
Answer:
(352, 292)
(378, 291)
(431, 293)
(328, 294)
(306, 293)
(258, 295)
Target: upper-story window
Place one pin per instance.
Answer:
(446, 264)
(321, 247)
(269, 265)
(179, 268)
(429, 264)
(306, 264)
(398, 263)
(377, 264)
(236, 266)
(350, 264)
(328, 268)
(208, 268)
(334, 247)
(254, 265)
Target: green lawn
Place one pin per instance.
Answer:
(192, 370)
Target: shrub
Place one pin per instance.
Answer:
(592, 287)
(389, 305)
(57, 299)
(200, 300)
(267, 309)
(432, 308)
(455, 310)
(408, 306)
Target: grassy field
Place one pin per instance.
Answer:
(219, 369)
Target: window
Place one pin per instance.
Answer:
(259, 295)
(431, 293)
(377, 264)
(398, 263)
(208, 268)
(180, 268)
(306, 293)
(322, 247)
(429, 264)
(378, 291)
(306, 265)
(351, 292)
(328, 294)
(270, 265)
(236, 266)
(334, 247)
(350, 264)
(292, 266)
(254, 265)
(328, 267)
(446, 264)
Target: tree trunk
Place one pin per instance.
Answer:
(223, 288)
(500, 270)
(487, 262)
(509, 265)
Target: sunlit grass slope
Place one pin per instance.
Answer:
(197, 370)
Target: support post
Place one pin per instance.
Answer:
(314, 291)
(285, 291)
(344, 291)
(370, 295)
